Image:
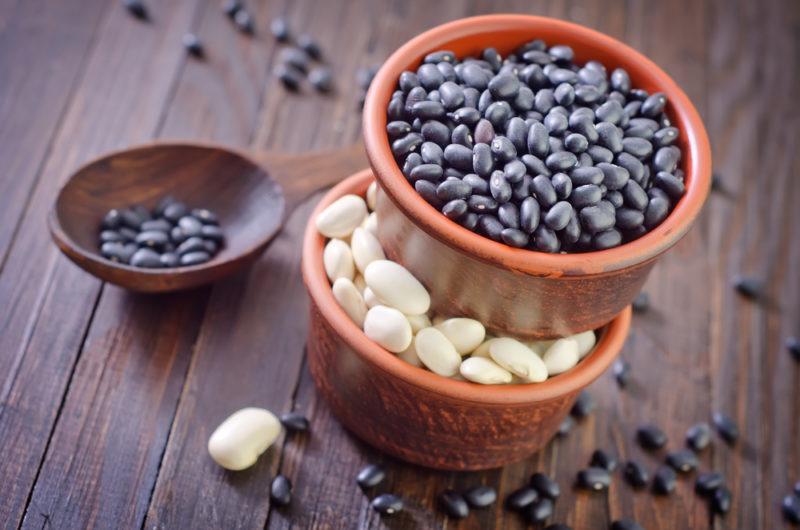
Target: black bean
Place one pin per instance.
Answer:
(600, 154)
(615, 198)
(412, 161)
(707, 483)
(396, 109)
(557, 526)
(499, 187)
(503, 149)
(544, 191)
(539, 510)
(480, 496)
(514, 237)
(431, 172)
(791, 508)
(529, 213)
(113, 251)
(626, 524)
(656, 211)
(520, 499)
(698, 436)
(609, 136)
(455, 209)
(177, 236)
(504, 86)
(749, 287)
(561, 75)
(638, 147)
(408, 80)
(111, 236)
(432, 153)
(160, 225)
(454, 504)
(597, 219)
(721, 501)
(514, 171)
(670, 184)
(152, 238)
(169, 259)
(562, 184)
(294, 421)
(610, 111)
(406, 144)
(428, 110)
(603, 460)
(280, 491)
(474, 76)
(586, 195)
(620, 80)
(482, 204)
(498, 113)
(682, 460)
(452, 95)
(523, 102)
(136, 8)
(131, 219)
(634, 195)
(484, 132)
(289, 76)
(436, 132)
(147, 258)
(429, 76)
(664, 480)
(666, 159)
(508, 214)
(469, 221)
(666, 136)
(797, 488)
(726, 427)
(546, 239)
(793, 347)
(195, 258)
(244, 22)
(279, 27)
(607, 239)
(112, 220)
(490, 226)
(572, 232)
(370, 476)
(387, 504)
(517, 133)
(558, 216)
(427, 190)
(556, 123)
(583, 405)
(535, 165)
(582, 176)
(537, 140)
(576, 143)
(190, 226)
(639, 131)
(587, 94)
(635, 474)
(192, 44)
(629, 218)
(565, 426)
(594, 478)
(321, 78)
(654, 105)
(522, 189)
(651, 437)
(632, 165)
(478, 184)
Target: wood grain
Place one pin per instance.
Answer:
(106, 399)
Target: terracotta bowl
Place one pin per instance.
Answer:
(523, 292)
(247, 201)
(415, 414)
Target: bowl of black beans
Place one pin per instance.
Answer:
(531, 170)
(166, 216)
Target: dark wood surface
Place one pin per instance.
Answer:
(107, 398)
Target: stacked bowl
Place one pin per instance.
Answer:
(438, 422)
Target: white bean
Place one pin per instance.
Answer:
(388, 327)
(410, 356)
(484, 371)
(360, 284)
(370, 298)
(366, 248)
(397, 287)
(483, 349)
(561, 356)
(372, 195)
(418, 322)
(239, 440)
(436, 352)
(518, 359)
(346, 293)
(540, 346)
(338, 260)
(466, 334)
(370, 224)
(586, 342)
(342, 216)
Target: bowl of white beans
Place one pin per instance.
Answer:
(431, 388)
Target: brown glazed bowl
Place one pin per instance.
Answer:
(419, 416)
(516, 291)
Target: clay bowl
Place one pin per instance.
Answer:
(417, 415)
(523, 292)
(249, 205)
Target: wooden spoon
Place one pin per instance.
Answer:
(252, 194)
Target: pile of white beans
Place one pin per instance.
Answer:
(393, 308)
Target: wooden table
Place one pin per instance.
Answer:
(107, 398)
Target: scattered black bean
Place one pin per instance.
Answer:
(594, 478)
(321, 78)
(244, 21)
(520, 499)
(682, 460)
(626, 524)
(664, 480)
(797, 488)
(791, 508)
(793, 347)
(539, 510)
(565, 426)
(371, 475)
(636, 475)
(280, 490)
(651, 437)
(583, 406)
(279, 27)
(294, 421)
(480, 496)
(557, 526)
(698, 436)
(309, 45)
(721, 501)
(641, 303)
(136, 8)
(454, 504)
(748, 287)
(193, 45)
(545, 486)
(622, 372)
(603, 460)
(707, 483)
(726, 427)
(387, 504)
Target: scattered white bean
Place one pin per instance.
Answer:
(484, 371)
(436, 352)
(518, 359)
(338, 260)
(372, 195)
(418, 322)
(239, 440)
(397, 287)
(561, 356)
(366, 248)
(348, 296)
(342, 216)
(466, 334)
(388, 327)
(586, 342)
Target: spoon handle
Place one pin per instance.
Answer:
(300, 175)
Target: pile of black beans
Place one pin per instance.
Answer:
(534, 150)
(171, 235)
